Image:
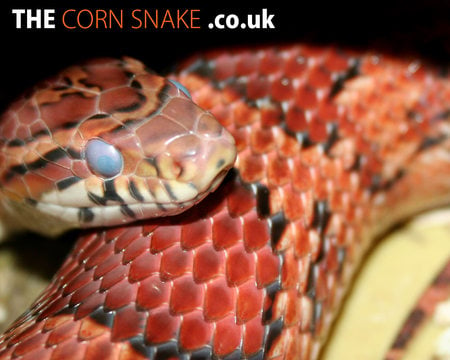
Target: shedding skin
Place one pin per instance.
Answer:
(334, 147)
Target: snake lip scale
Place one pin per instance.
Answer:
(328, 148)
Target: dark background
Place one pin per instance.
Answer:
(403, 27)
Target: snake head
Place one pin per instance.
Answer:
(106, 143)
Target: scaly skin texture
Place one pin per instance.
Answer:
(333, 148)
(164, 151)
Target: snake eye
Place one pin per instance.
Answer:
(103, 158)
(182, 88)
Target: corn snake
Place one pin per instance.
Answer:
(327, 141)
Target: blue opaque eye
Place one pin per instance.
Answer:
(103, 158)
(182, 88)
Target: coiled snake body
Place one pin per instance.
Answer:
(333, 148)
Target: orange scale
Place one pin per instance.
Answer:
(195, 234)
(322, 190)
(282, 89)
(292, 314)
(315, 243)
(28, 113)
(272, 115)
(79, 168)
(335, 201)
(270, 62)
(101, 347)
(66, 162)
(246, 63)
(278, 172)
(240, 201)
(63, 333)
(153, 292)
(118, 99)
(56, 321)
(330, 168)
(221, 111)
(336, 61)
(91, 329)
(252, 167)
(51, 310)
(256, 232)
(267, 267)
(122, 237)
(69, 109)
(9, 124)
(306, 97)
(113, 277)
(207, 97)
(314, 51)
(295, 65)
(107, 77)
(128, 322)
(287, 145)
(38, 185)
(121, 294)
(75, 270)
(33, 343)
(253, 336)
(162, 326)
(249, 302)
(318, 132)
(22, 132)
(224, 66)
(296, 119)
(39, 126)
(70, 350)
(292, 204)
(164, 237)
(244, 114)
(321, 286)
(311, 156)
(208, 263)
(308, 200)
(327, 111)
(175, 262)
(41, 148)
(295, 344)
(195, 332)
(240, 265)
(241, 137)
(95, 246)
(227, 336)
(331, 259)
(53, 172)
(301, 177)
(302, 246)
(136, 248)
(289, 270)
(78, 282)
(319, 77)
(220, 300)
(81, 294)
(186, 295)
(27, 331)
(226, 230)
(258, 86)
(262, 140)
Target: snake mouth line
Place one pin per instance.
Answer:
(119, 213)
